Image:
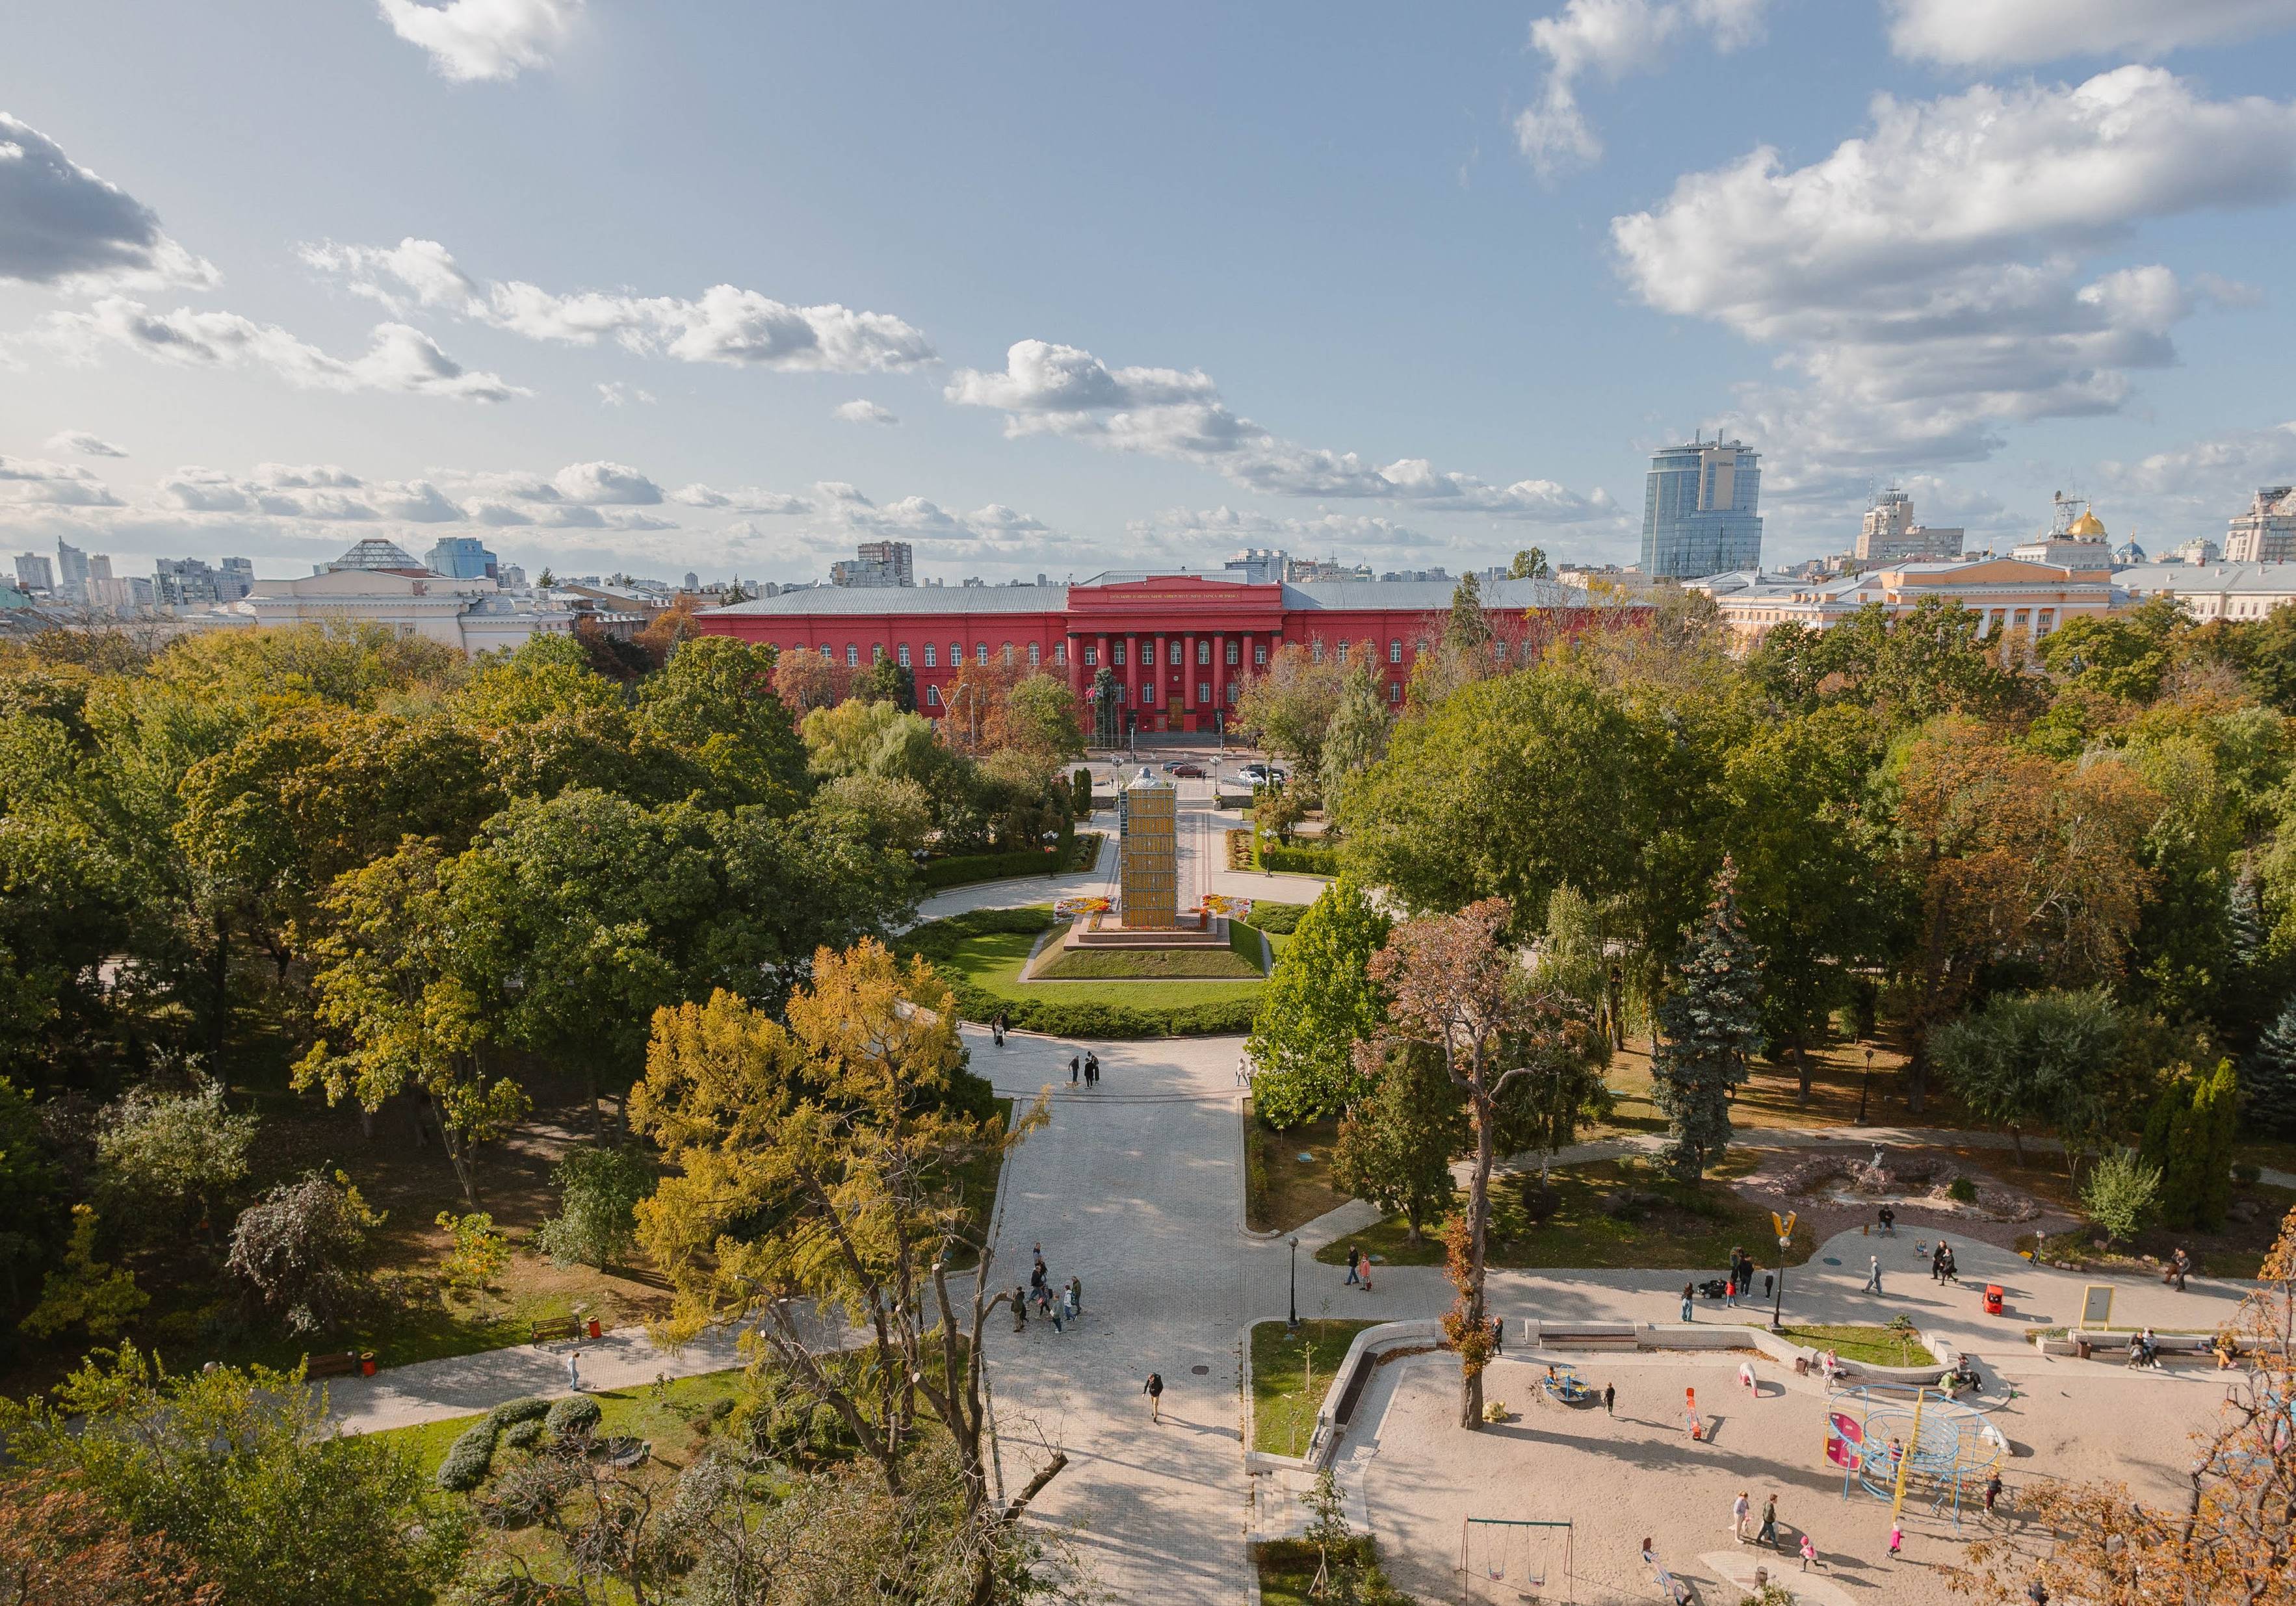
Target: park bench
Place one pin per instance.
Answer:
(1589, 1335)
(2088, 1340)
(557, 1327)
(334, 1364)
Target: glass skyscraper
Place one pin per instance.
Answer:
(1698, 510)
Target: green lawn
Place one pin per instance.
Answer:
(991, 960)
(1287, 1569)
(1873, 1345)
(1690, 1229)
(663, 1413)
(1286, 1393)
(1145, 965)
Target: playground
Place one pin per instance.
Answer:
(1457, 1521)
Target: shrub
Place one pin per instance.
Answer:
(302, 1250)
(523, 1435)
(526, 1408)
(469, 1458)
(599, 1190)
(2247, 1173)
(1301, 861)
(573, 1417)
(1080, 792)
(1962, 1190)
(963, 869)
(1278, 920)
(2122, 1193)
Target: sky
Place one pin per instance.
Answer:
(728, 288)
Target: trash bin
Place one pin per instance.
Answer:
(594, 1323)
(366, 1362)
(1993, 1291)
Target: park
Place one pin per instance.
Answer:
(715, 1123)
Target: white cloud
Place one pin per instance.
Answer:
(1613, 39)
(61, 224)
(30, 481)
(1047, 388)
(472, 40)
(83, 443)
(1225, 526)
(724, 325)
(401, 358)
(2002, 33)
(323, 494)
(595, 483)
(1926, 280)
(614, 393)
(2216, 470)
(862, 413)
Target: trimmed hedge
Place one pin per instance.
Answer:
(573, 1416)
(1278, 920)
(526, 1408)
(1243, 941)
(524, 1435)
(1301, 861)
(938, 941)
(469, 1458)
(963, 869)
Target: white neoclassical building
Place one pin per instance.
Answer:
(2215, 591)
(2006, 594)
(472, 614)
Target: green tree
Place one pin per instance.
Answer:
(244, 1471)
(1036, 719)
(1107, 712)
(480, 1254)
(2041, 1062)
(1358, 733)
(887, 681)
(2121, 1194)
(847, 740)
(877, 811)
(1529, 564)
(1511, 787)
(2269, 1076)
(1395, 1146)
(2189, 1137)
(1289, 706)
(1468, 627)
(1709, 1027)
(598, 1195)
(85, 1293)
(1320, 1002)
(31, 1194)
(2125, 655)
(714, 702)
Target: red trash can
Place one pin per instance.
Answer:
(593, 1327)
(1993, 1292)
(366, 1362)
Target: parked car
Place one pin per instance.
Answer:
(1186, 767)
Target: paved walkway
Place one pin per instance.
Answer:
(400, 1396)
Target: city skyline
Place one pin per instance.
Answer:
(675, 324)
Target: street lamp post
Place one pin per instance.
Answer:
(1777, 1310)
(1293, 1326)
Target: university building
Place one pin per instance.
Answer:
(1180, 646)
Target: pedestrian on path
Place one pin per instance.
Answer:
(1769, 1534)
(1076, 1298)
(1872, 1273)
(1155, 1389)
(1992, 1492)
(2180, 1263)
(1354, 1259)
(1076, 1068)
(1019, 1308)
(1244, 1070)
(574, 1369)
(1498, 1335)
(1610, 1398)
(1367, 1273)
(1092, 1068)
(996, 1029)
(1808, 1552)
(1686, 1293)
(1897, 1540)
(1053, 1307)
(1740, 1509)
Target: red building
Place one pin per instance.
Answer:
(1179, 646)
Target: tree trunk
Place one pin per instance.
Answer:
(2017, 1141)
(1802, 1065)
(219, 984)
(1478, 1217)
(458, 1156)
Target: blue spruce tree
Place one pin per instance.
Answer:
(1710, 1026)
(2269, 1076)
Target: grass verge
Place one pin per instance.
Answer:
(1283, 1190)
(1288, 1566)
(666, 1414)
(1147, 964)
(1875, 1345)
(980, 954)
(1290, 1375)
(1675, 1227)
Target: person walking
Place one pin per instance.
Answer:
(1076, 1068)
(1155, 1389)
(2180, 1263)
(1092, 1068)
(1498, 1335)
(1076, 1298)
(1365, 1269)
(1872, 1273)
(1019, 1308)
(1992, 1493)
(1769, 1533)
(1355, 1258)
(996, 1029)
(1808, 1552)
(1244, 1070)
(1740, 1509)
(1897, 1540)
(1686, 1292)
(574, 1369)
(1949, 1270)
(1610, 1398)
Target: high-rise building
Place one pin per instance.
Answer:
(35, 574)
(463, 558)
(1258, 565)
(71, 571)
(1699, 514)
(186, 583)
(99, 567)
(876, 563)
(1891, 536)
(2267, 532)
(237, 580)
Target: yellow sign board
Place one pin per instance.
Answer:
(1784, 1224)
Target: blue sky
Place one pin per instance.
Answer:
(729, 287)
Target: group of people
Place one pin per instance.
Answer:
(2144, 1349)
(1359, 1269)
(1061, 1305)
(1085, 1067)
(1942, 1268)
(1742, 1276)
(1742, 1512)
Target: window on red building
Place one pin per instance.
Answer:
(852, 656)
(1395, 691)
(904, 655)
(956, 653)
(1203, 653)
(825, 651)
(1343, 653)
(1060, 652)
(1315, 650)
(1230, 693)
(1234, 653)
(932, 656)
(1035, 655)
(933, 697)
(1259, 653)
(1008, 655)
(1203, 691)
(876, 652)
(1091, 657)
(980, 651)
(1395, 652)
(1176, 655)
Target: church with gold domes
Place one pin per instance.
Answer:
(2075, 539)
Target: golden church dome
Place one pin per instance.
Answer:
(2088, 527)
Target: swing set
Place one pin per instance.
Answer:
(1502, 1558)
